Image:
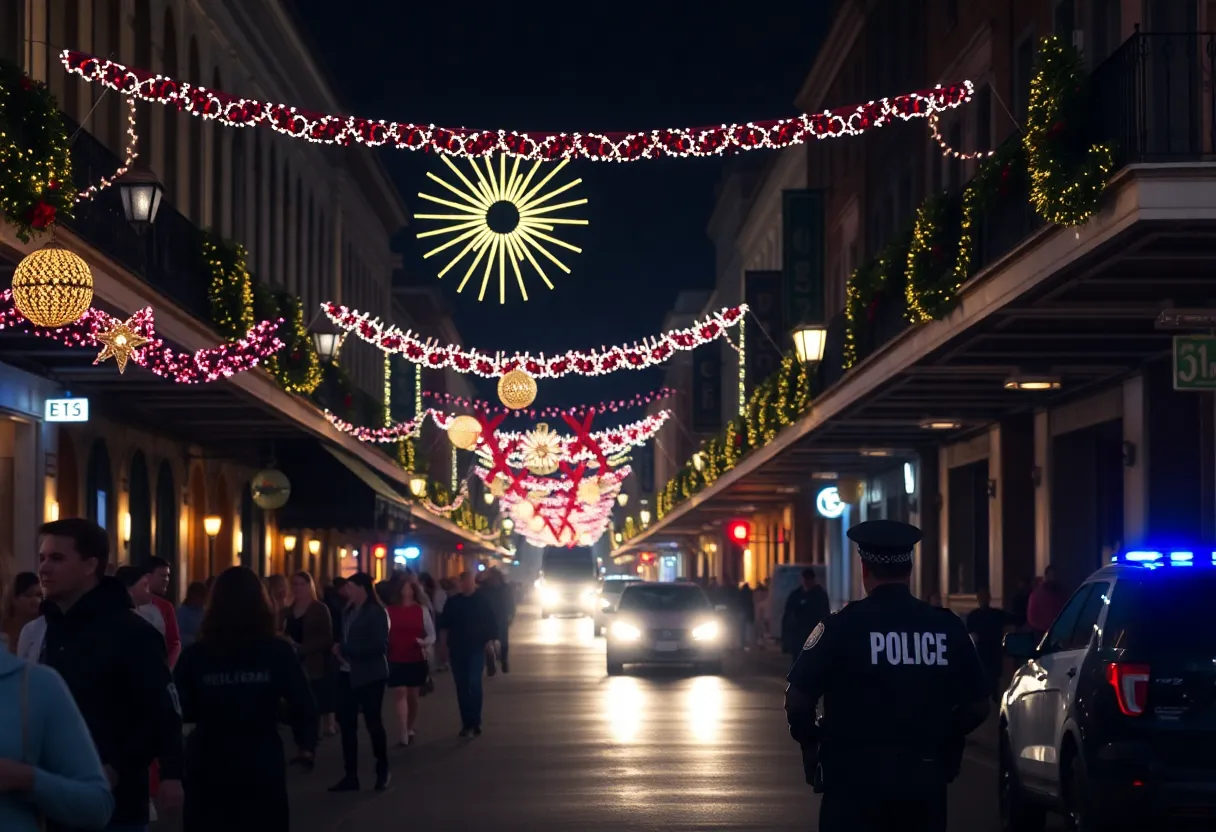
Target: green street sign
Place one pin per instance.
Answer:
(1195, 362)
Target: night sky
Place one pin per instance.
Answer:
(563, 67)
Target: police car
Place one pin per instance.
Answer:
(1112, 718)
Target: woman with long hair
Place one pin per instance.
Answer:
(20, 607)
(362, 673)
(308, 624)
(411, 632)
(232, 683)
(280, 597)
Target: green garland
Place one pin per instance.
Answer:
(1066, 182)
(295, 367)
(866, 285)
(231, 287)
(35, 166)
(928, 290)
(996, 175)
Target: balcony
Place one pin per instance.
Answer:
(168, 256)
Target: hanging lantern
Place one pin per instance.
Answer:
(850, 489)
(517, 389)
(52, 287)
(463, 432)
(589, 491)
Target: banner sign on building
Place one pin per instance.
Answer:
(707, 389)
(762, 293)
(802, 250)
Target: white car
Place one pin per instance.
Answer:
(665, 623)
(609, 596)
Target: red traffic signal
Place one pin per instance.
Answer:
(739, 531)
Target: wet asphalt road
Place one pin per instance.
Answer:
(568, 748)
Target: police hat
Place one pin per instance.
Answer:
(885, 541)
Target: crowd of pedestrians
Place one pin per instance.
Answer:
(103, 674)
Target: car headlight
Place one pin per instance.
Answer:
(605, 604)
(625, 631)
(589, 595)
(705, 632)
(549, 596)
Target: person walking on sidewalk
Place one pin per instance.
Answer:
(502, 601)
(115, 665)
(805, 609)
(308, 625)
(363, 671)
(411, 632)
(232, 683)
(467, 630)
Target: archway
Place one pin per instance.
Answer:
(166, 522)
(139, 505)
(222, 507)
(199, 567)
(67, 476)
(99, 487)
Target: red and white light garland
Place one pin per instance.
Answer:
(724, 139)
(640, 400)
(652, 351)
(560, 517)
(201, 366)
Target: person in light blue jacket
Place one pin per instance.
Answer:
(49, 768)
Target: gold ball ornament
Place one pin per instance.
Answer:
(523, 511)
(589, 491)
(851, 489)
(537, 523)
(498, 486)
(464, 431)
(52, 287)
(517, 389)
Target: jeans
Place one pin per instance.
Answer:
(504, 646)
(368, 700)
(468, 666)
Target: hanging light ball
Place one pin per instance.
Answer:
(517, 389)
(589, 491)
(523, 511)
(851, 489)
(498, 486)
(52, 287)
(536, 523)
(464, 431)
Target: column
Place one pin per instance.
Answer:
(1135, 479)
(1041, 479)
(1014, 512)
(929, 518)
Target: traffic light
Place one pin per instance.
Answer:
(739, 531)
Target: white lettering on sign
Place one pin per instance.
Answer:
(66, 410)
(909, 648)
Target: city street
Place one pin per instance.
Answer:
(566, 747)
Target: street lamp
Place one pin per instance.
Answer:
(418, 485)
(622, 499)
(314, 547)
(508, 524)
(141, 193)
(326, 338)
(489, 498)
(809, 342)
(289, 543)
(644, 516)
(211, 526)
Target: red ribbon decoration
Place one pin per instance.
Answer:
(583, 438)
(575, 476)
(499, 455)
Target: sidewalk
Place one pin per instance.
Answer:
(767, 659)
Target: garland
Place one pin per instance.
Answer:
(928, 290)
(865, 288)
(993, 180)
(551, 412)
(652, 351)
(722, 140)
(1066, 182)
(296, 367)
(35, 166)
(231, 289)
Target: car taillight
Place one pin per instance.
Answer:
(1130, 682)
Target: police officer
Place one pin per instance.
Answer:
(901, 686)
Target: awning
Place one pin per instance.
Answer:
(334, 490)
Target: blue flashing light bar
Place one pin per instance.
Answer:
(1153, 558)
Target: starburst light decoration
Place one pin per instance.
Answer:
(118, 342)
(503, 220)
(542, 451)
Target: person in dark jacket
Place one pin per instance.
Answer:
(805, 608)
(116, 666)
(362, 677)
(502, 601)
(231, 683)
(467, 629)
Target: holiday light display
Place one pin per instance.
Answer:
(502, 219)
(52, 287)
(119, 341)
(598, 447)
(463, 432)
(721, 140)
(947, 150)
(652, 351)
(541, 451)
(35, 164)
(550, 412)
(516, 389)
(131, 154)
(201, 366)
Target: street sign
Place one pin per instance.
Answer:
(1195, 362)
(66, 410)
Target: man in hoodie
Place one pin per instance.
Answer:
(115, 665)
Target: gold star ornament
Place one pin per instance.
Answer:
(118, 342)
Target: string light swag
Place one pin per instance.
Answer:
(131, 155)
(615, 406)
(947, 150)
(35, 166)
(1065, 189)
(722, 140)
(652, 351)
(201, 366)
(384, 435)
